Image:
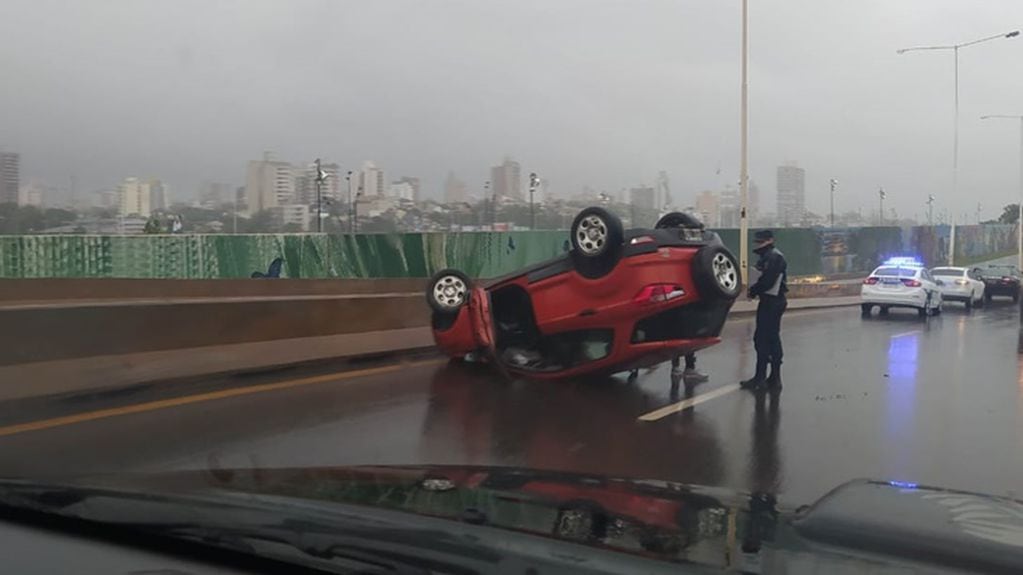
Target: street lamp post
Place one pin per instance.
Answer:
(1019, 220)
(743, 150)
(955, 53)
(930, 209)
(348, 178)
(319, 200)
(834, 184)
(534, 182)
(881, 195)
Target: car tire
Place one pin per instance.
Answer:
(677, 220)
(596, 235)
(716, 273)
(922, 311)
(448, 290)
(883, 310)
(865, 309)
(1015, 297)
(969, 303)
(987, 298)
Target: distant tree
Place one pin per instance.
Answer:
(1010, 214)
(262, 222)
(153, 226)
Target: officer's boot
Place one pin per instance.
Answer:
(774, 380)
(759, 379)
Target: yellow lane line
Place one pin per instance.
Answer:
(687, 403)
(198, 398)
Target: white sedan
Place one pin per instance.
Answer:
(901, 282)
(960, 284)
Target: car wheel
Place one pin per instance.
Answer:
(865, 308)
(677, 220)
(716, 273)
(596, 237)
(884, 310)
(448, 291)
(987, 298)
(1015, 297)
(969, 303)
(922, 311)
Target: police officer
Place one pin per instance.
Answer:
(771, 289)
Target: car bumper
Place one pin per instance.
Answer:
(999, 289)
(916, 298)
(957, 293)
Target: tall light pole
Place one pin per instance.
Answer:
(534, 182)
(1019, 220)
(881, 195)
(321, 177)
(834, 184)
(744, 151)
(348, 178)
(955, 53)
(930, 209)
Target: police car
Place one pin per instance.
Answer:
(901, 282)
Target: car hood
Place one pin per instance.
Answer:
(645, 519)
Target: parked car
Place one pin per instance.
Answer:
(1001, 280)
(960, 284)
(617, 300)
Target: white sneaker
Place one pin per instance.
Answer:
(694, 376)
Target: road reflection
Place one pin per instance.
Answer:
(586, 427)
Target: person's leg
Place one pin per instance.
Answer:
(691, 374)
(761, 344)
(776, 353)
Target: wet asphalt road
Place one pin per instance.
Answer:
(937, 401)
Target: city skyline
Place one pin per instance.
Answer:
(641, 88)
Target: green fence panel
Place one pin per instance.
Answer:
(479, 254)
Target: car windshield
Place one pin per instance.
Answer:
(620, 277)
(900, 272)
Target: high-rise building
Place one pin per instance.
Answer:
(753, 199)
(214, 194)
(402, 191)
(31, 195)
(415, 183)
(708, 209)
(134, 196)
(791, 194)
(506, 180)
(268, 183)
(369, 181)
(729, 208)
(643, 198)
(157, 195)
(10, 180)
(305, 183)
(454, 189)
(295, 214)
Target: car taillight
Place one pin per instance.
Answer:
(641, 240)
(870, 281)
(909, 282)
(657, 293)
(961, 282)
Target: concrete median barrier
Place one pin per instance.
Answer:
(93, 334)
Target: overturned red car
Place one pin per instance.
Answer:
(618, 300)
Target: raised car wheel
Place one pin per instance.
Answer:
(716, 273)
(596, 237)
(677, 220)
(448, 290)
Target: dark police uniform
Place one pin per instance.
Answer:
(771, 289)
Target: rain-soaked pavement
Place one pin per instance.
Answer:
(937, 401)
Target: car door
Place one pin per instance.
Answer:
(976, 282)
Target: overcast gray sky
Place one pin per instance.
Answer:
(586, 92)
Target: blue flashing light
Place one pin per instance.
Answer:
(906, 262)
(902, 484)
